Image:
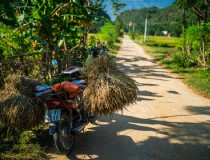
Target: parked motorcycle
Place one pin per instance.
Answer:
(94, 52)
(65, 113)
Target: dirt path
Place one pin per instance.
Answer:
(168, 122)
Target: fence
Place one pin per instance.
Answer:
(39, 64)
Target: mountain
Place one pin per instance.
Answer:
(136, 4)
(165, 19)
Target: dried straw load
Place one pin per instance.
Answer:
(19, 109)
(109, 90)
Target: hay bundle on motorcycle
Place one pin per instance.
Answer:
(18, 107)
(108, 90)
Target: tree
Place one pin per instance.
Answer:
(119, 26)
(108, 33)
(200, 9)
(51, 24)
(45, 26)
(117, 6)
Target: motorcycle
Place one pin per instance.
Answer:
(97, 51)
(65, 113)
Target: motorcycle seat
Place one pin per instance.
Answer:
(42, 90)
(80, 83)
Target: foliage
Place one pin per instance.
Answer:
(108, 33)
(46, 24)
(196, 44)
(157, 20)
(49, 29)
(101, 18)
(199, 8)
(196, 38)
(184, 60)
(117, 6)
(22, 145)
(120, 27)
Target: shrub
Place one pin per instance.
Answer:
(24, 145)
(184, 60)
(108, 33)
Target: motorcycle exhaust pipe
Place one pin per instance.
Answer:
(75, 131)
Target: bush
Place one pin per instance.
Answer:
(24, 145)
(197, 40)
(184, 60)
(108, 33)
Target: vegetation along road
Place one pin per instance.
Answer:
(168, 122)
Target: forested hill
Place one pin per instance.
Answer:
(167, 19)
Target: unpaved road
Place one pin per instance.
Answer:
(168, 122)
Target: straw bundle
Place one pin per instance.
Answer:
(109, 89)
(21, 84)
(19, 109)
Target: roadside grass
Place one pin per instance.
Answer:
(197, 78)
(160, 53)
(26, 145)
(114, 50)
(159, 41)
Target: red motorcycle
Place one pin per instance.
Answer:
(65, 111)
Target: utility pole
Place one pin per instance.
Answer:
(184, 28)
(128, 28)
(145, 30)
(134, 27)
(130, 24)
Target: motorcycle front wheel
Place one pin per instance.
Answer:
(62, 138)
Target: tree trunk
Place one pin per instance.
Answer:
(184, 28)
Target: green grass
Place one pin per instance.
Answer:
(159, 41)
(197, 78)
(114, 50)
(159, 52)
(25, 145)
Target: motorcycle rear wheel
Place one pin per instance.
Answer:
(62, 138)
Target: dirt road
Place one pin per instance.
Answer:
(168, 122)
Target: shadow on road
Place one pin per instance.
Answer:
(146, 95)
(205, 110)
(173, 92)
(157, 138)
(152, 71)
(177, 140)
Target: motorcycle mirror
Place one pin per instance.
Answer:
(54, 63)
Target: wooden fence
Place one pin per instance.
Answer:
(39, 64)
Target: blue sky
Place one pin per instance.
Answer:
(137, 4)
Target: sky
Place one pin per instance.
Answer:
(137, 4)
